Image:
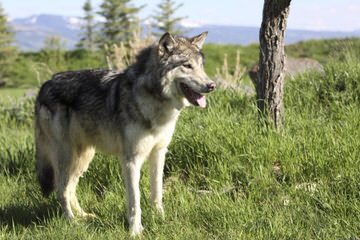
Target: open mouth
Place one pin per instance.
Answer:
(193, 97)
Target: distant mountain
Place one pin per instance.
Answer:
(31, 32)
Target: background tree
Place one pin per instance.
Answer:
(120, 21)
(53, 53)
(272, 60)
(165, 19)
(7, 50)
(88, 41)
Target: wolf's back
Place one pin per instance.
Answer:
(71, 87)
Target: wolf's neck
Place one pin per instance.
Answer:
(157, 111)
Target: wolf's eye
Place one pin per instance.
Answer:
(187, 65)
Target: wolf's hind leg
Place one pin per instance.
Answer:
(63, 179)
(64, 195)
(79, 167)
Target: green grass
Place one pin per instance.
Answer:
(214, 56)
(8, 95)
(225, 176)
(323, 50)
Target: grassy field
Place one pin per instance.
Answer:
(8, 95)
(225, 176)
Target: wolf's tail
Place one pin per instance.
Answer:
(45, 174)
(44, 169)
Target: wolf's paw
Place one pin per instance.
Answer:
(160, 210)
(88, 216)
(70, 217)
(85, 216)
(136, 229)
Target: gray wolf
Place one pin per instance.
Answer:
(131, 114)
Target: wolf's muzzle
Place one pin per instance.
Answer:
(211, 86)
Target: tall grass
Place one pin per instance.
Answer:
(233, 79)
(120, 56)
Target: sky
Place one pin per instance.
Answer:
(330, 15)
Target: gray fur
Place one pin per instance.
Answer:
(131, 114)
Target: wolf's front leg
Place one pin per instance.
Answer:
(156, 162)
(131, 174)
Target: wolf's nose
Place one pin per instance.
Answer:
(211, 86)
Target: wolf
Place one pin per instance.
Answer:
(131, 114)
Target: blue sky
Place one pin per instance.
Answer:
(304, 14)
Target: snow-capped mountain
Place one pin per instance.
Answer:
(49, 21)
(32, 31)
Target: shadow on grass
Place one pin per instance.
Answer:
(26, 215)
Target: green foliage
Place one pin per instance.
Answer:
(32, 68)
(323, 50)
(19, 112)
(120, 21)
(53, 52)
(225, 176)
(22, 72)
(7, 51)
(214, 56)
(165, 19)
(88, 39)
(83, 59)
(10, 95)
(334, 90)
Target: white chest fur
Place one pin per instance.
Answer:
(142, 141)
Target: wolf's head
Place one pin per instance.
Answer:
(183, 78)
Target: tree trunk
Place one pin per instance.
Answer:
(269, 89)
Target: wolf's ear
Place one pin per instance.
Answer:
(199, 39)
(166, 44)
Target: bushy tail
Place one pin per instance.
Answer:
(44, 169)
(45, 175)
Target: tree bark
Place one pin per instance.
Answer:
(269, 89)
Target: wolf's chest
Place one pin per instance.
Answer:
(157, 137)
(163, 134)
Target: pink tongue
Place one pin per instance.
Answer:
(201, 101)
